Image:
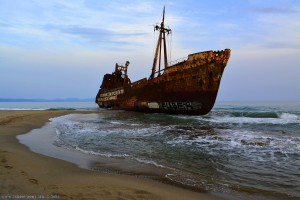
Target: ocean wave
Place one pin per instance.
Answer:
(151, 162)
(238, 141)
(61, 109)
(255, 114)
(217, 150)
(124, 123)
(289, 116)
(108, 155)
(254, 118)
(240, 117)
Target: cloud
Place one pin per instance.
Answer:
(93, 37)
(120, 6)
(139, 6)
(93, 24)
(5, 25)
(282, 45)
(275, 10)
(279, 31)
(94, 34)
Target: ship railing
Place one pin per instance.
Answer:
(173, 62)
(137, 83)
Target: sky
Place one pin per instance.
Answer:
(62, 48)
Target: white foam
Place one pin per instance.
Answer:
(284, 118)
(151, 162)
(117, 122)
(108, 155)
(244, 142)
(288, 116)
(124, 123)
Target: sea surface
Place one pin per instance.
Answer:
(240, 150)
(48, 106)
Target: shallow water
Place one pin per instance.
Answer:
(240, 150)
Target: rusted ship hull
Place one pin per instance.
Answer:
(188, 87)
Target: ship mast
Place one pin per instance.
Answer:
(162, 37)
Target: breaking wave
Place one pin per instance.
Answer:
(254, 118)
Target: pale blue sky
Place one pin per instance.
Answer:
(62, 48)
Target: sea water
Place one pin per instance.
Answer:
(240, 150)
(48, 106)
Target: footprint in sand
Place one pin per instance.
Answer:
(24, 173)
(52, 187)
(34, 181)
(8, 167)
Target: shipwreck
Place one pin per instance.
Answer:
(189, 86)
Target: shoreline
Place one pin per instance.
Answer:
(24, 172)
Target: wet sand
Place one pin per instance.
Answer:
(24, 173)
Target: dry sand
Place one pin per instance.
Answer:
(24, 174)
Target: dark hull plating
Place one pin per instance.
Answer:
(188, 87)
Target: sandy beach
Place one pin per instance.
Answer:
(25, 174)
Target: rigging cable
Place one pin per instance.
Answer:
(153, 42)
(170, 46)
